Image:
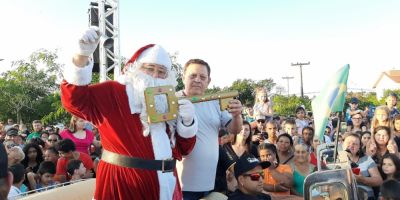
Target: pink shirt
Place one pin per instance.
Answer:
(82, 145)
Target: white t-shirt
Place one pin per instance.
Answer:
(13, 194)
(197, 170)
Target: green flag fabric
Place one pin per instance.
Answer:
(330, 99)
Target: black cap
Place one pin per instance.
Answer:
(393, 95)
(12, 131)
(354, 100)
(248, 162)
(3, 162)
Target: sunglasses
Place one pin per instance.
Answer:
(260, 121)
(255, 176)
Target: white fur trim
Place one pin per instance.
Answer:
(156, 55)
(162, 150)
(79, 75)
(123, 79)
(187, 131)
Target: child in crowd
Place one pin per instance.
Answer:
(262, 105)
(390, 167)
(390, 190)
(76, 169)
(18, 171)
(51, 154)
(289, 127)
(278, 178)
(249, 113)
(381, 118)
(301, 120)
(44, 178)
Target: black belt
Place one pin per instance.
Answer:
(167, 165)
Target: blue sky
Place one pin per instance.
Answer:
(239, 39)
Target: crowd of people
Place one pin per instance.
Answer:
(289, 144)
(239, 153)
(45, 156)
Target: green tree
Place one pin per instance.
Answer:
(214, 89)
(286, 106)
(23, 88)
(179, 71)
(246, 88)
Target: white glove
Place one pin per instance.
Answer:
(186, 111)
(89, 41)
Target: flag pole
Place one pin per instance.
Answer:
(338, 128)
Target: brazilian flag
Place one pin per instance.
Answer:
(330, 99)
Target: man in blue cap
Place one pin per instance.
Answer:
(353, 109)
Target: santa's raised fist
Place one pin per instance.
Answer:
(89, 41)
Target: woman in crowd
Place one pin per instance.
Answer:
(44, 135)
(278, 178)
(301, 168)
(241, 143)
(79, 135)
(396, 129)
(284, 146)
(381, 144)
(33, 157)
(369, 174)
(52, 140)
(390, 167)
(313, 154)
(15, 155)
(365, 138)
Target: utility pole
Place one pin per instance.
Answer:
(301, 76)
(287, 79)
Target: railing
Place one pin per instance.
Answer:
(25, 194)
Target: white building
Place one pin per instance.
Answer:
(388, 80)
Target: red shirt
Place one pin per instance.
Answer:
(82, 145)
(63, 162)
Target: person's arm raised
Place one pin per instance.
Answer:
(235, 109)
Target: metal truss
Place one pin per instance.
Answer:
(109, 47)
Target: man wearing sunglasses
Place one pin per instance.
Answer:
(249, 175)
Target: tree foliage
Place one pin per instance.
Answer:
(24, 88)
(286, 106)
(177, 67)
(246, 88)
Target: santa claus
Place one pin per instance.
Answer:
(138, 160)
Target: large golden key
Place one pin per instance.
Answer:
(169, 91)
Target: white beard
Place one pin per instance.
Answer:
(140, 81)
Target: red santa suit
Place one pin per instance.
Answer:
(110, 107)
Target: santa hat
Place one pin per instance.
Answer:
(151, 53)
